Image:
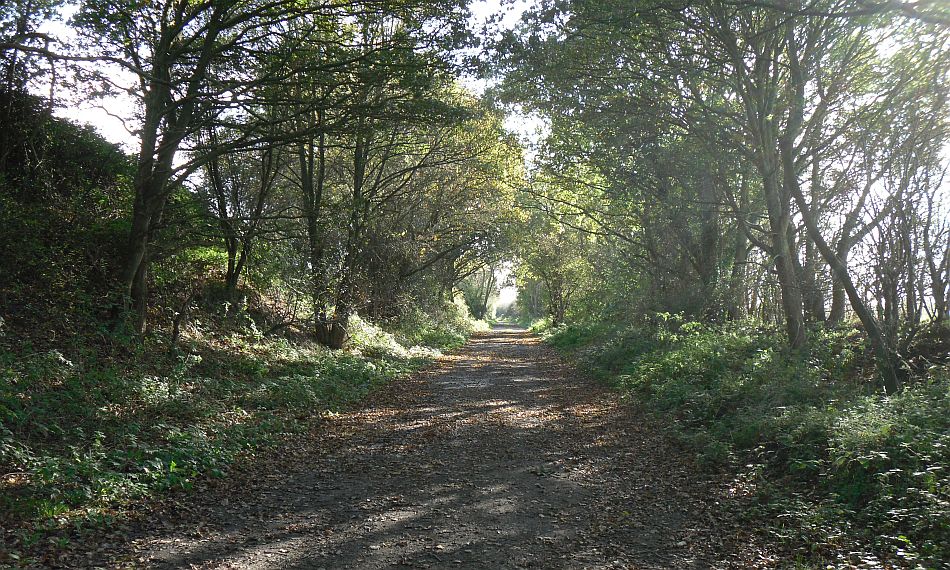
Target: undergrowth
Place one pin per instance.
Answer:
(448, 326)
(835, 462)
(83, 434)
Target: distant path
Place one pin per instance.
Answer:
(499, 457)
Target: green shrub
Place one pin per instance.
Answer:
(446, 327)
(809, 423)
(86, 435)
(889, 457)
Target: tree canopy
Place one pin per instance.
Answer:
(741, 155)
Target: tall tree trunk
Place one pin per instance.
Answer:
(783, 251)
(936, 242)
(332, 330)
(489, 285)
(838, 296)
(906, 227)
(737, 286)
(228, 232)
(814, 296)
(709, 248)
(312, 164)
(134, 275)
(886, 358)
(157, 156)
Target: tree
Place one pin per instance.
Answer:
(195, 63)
(238, 190)
(775, 96)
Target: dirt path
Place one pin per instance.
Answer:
(500, 457)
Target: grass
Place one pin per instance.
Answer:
(836, 462)
(83, 436)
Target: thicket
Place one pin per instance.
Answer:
(837, 466)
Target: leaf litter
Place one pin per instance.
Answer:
(499, 456)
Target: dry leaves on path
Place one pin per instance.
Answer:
(498, 457)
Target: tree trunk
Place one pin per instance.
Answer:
(737, 286)
(489, 285)
(134, 276)
(708, 262)
(814, 296)
(166, 123)
(936, 242)
(312, 164)
(887, 361)
(838, 296)
(784, 249)
(331, 331)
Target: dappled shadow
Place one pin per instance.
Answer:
(500, 461)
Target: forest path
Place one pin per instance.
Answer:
(499, 457)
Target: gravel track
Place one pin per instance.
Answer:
(500, 456)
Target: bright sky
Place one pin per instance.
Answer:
(508, 293)
(507, 297)
(530, 129)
